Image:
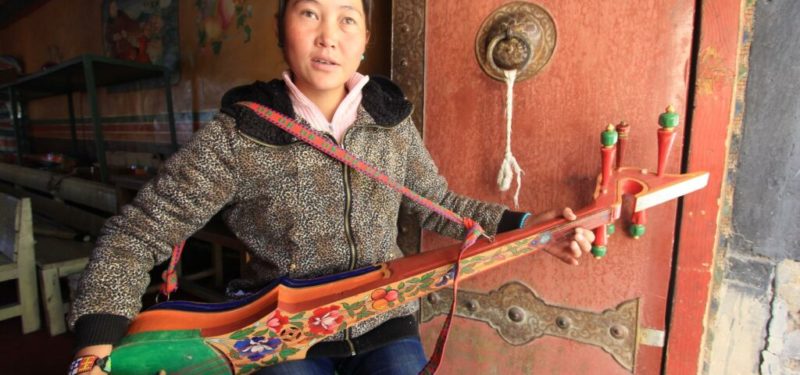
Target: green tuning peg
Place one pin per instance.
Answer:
(669, 119)
(599, 251)
(611, 229)
(637, 230)
(609, 137)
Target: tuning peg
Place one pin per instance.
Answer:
(601, 234)
(637, 228)
(666, 136)
(599, 249)
(669, 119)
(608, 138)
(622, 130)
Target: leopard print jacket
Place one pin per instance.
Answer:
(300, 213)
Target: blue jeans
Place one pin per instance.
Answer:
(401, 357)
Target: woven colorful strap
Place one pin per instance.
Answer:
(323, 144)
(438, 351)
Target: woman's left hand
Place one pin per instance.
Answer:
(579, 244)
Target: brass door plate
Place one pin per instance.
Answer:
(519, 316)
(518, 35)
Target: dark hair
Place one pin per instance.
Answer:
(280, 17)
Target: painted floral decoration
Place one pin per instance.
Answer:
(325, 320)
(255, 348)
(277, 322)
(215, 18)
(446, 277)
(383, 298)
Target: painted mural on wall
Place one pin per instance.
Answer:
(214, 21)
(10, 69)
(144, 31)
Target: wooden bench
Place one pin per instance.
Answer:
(58, 255)
(17, 260)
(58, 258)
(84, 205)
(215, 232)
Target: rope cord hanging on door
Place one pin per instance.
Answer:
(510, 167)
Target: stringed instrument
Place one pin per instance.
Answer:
(284, 320)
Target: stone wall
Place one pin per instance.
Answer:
(754, 314)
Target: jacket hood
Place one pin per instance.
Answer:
(382, 99)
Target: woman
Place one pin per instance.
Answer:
(300, 213)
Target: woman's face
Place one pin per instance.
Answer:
(324, 41)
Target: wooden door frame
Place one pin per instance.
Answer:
(408, 70)
(714, 71)
(717, 96)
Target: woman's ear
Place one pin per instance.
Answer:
(367, 41)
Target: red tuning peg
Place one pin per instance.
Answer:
(666, 136)
(608, 139)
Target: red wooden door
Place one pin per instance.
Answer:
(614, 60)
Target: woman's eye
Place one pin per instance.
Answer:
(308, 13)
(349, 21)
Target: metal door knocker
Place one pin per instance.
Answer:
(518, 36)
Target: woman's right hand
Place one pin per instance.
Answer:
(580, 243)
(101, 351)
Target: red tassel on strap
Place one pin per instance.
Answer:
(474, 231)
(169, 276)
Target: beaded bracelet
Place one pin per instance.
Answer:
(86, 363)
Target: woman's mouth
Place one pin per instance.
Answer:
(323, 62)
(324, 65)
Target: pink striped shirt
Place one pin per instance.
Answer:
(345, 114)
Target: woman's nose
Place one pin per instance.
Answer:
(328, 34)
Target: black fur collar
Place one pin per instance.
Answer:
(382, 99)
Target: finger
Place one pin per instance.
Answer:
(583, 244)
(576, 249)
(579, 238)
(589, 234)
(586, 246)
(585, 238)
(568, 214)
(564, 257)
(549, 215)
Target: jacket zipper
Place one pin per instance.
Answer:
(347, 211)
(348, 230)
(347, 207)
(350, 241)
